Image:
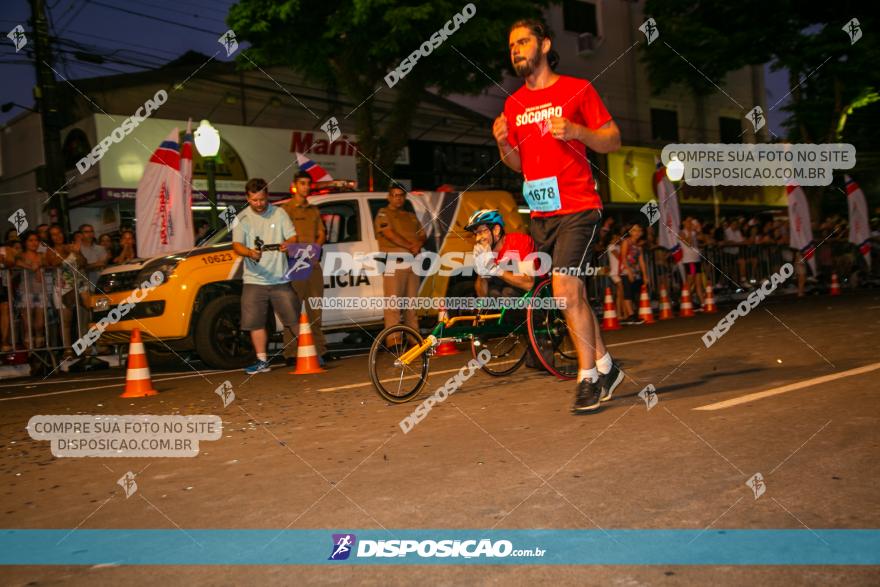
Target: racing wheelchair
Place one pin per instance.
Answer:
(400, 357)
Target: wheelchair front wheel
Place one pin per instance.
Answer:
(394, 381)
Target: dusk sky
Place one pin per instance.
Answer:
(161, 31)
(143, 40)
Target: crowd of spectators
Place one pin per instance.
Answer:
(736, 254)
(45, 278)
(46, 275)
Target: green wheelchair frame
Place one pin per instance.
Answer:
(400, 357)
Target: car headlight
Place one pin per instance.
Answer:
(165, 267)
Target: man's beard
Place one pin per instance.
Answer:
(527, 67)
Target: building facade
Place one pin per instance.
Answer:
(600, 40)
(267, 116)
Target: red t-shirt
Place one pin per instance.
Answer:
(528, 115)
(516, 246)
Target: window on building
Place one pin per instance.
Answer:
(730, 130)
(664, 124)
(579, 16)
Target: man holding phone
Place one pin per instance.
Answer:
(259, 225)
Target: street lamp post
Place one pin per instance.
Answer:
(207, 139)
(210, 166)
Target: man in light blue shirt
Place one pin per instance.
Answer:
(263, 224)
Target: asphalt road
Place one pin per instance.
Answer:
(790, 392)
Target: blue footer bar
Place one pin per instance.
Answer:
(443, 547)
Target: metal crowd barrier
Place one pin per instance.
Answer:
(38, 317)
(727, 267)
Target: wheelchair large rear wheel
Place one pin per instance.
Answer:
(548, 334)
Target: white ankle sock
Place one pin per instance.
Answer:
(262, 357)
(603, 364)
(591, 374)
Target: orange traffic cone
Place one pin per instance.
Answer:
(665, 306)
(137, 373)
(645, 312)
(306, 354)
(609, 314)
(835, 285)
(444, 349)
(447, 348)
(709, 306)
(686, 308)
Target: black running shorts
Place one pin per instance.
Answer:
(568, 238)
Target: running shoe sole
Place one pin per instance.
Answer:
(587, 409)
(607, 396)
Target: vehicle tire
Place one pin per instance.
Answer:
(219, 340)
(384, 374)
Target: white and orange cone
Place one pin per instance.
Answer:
(442, 314)
(665, 305)
(137, 373)
(835, 285)
(645, 312)
(609, 314)
(306, 353)
(709, 306)
(686, 308)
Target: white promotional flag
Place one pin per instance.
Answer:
(670, 217)
(859, 230)
(799, 230)
(183, 236)
(158, 189)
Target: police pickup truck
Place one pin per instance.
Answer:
(197, 306)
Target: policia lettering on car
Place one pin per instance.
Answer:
(346, 280)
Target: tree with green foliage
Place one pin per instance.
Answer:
(829, 77)
(827, 73)
(353, 45)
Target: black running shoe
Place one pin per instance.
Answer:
(587, 398)
(609, 381)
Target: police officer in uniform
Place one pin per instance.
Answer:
(399, 231)
(306, 219)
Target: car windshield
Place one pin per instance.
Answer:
(224, 234)
(221, 235)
